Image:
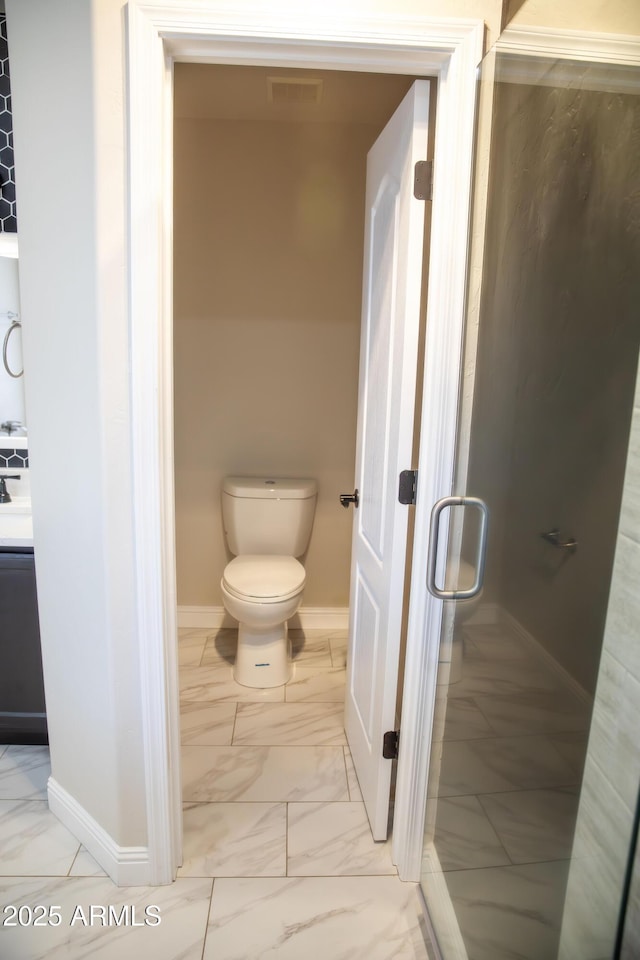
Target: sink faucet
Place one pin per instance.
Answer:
(10, 426)
(5, 496)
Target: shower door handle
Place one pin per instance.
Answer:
(434, 536)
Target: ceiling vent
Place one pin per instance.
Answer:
(300, 90)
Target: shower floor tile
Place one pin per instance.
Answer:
(534, 825)
(495, 642)
(465, 837)
(484, 677)
(472, 767)
(507, 912)
(529, 713)
(465, 720)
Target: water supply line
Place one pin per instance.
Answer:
(14, 325)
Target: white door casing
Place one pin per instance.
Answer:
(215, 31)
(392, 280)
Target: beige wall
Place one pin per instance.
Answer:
(599, 16)
(269, 221)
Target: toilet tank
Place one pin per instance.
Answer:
(268, 515)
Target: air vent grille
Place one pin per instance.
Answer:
(300, 90)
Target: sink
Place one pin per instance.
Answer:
(16, 505)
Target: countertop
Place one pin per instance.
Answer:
(16, 526)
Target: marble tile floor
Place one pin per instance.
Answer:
(511, 739)
(278, 858)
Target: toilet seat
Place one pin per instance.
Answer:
(264, 578)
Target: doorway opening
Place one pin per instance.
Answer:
(269, 218)
(449, 50)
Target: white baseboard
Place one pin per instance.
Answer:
(307, 618)
(127, 866)
(542, 654)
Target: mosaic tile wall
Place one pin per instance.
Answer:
(8, 222)
(14, 458)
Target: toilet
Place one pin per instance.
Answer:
(267, 525)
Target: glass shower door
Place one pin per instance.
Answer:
(515, 864)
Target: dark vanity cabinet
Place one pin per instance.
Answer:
(22, 708)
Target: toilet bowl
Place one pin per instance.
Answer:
(262, 593)
(267, 525)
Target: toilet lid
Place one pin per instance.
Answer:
(264, 578)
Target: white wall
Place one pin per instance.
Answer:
(68, 79)
(69, 141)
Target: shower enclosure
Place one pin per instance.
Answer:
(531, 794)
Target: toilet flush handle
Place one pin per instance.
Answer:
(347, 498)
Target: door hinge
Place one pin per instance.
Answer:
(390, 744)
(423, 180)
(407, 487)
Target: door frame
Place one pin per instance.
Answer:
(158, 34)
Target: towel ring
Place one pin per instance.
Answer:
(5, 346)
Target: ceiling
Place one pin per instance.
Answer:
(222, 92)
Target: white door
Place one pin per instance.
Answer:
(394, 228)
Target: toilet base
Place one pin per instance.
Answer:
(263, 657)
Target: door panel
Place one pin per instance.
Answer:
(525, 844)
(394, 228)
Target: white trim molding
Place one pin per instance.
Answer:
(579, 45)
(127, 866)
(307, 618)
(218, 31)
(584, 60)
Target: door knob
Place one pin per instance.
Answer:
(347, 498)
